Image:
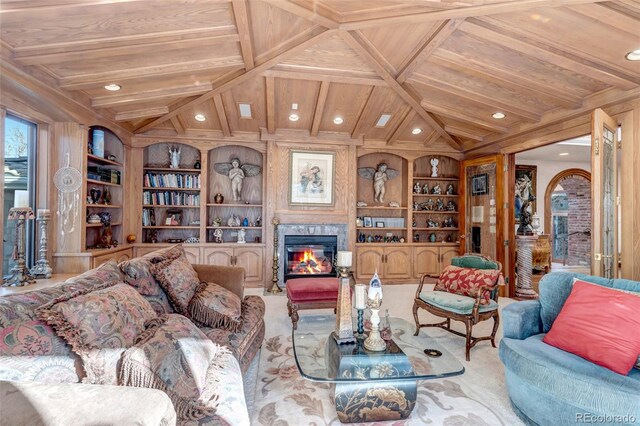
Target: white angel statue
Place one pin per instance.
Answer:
(236, 173)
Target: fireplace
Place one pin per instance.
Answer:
(306, 255)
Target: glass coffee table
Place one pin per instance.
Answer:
(370, 386)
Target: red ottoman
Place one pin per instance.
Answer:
(310, 293)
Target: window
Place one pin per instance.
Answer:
(560, 223)
(19, 175)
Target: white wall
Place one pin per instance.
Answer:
(546, 171)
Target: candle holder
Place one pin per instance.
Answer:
(42, 269)
(343, 332)
(360, 332)
(20, 275)
(275, 288)
(374, 342)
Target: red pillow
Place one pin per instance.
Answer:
(467, 282)
(599, 324)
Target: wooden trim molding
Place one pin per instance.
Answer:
(552, 185)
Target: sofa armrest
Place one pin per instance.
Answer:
(229, 277)
(31, 403)
(521, 319)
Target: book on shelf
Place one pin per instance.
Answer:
(148, 217)
(170, 198)
(171, 180)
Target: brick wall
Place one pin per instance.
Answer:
(579, 196)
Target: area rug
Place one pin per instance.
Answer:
(284, 398)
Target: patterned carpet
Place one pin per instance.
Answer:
(283, 397)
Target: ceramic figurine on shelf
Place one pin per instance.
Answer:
(430, 206)
(415, 206)
(218, 198)
(425, 188)
(245, 222)
(359, 222)
(451, 206)
(106, 196)
(217, 235)
(217, 221)
(439, 205)
(380, 175)
(237, 172)
(416, 188)
(436, 190)
(259, 221)
(174, 157)
(242, 234)
(450, 190)
(416, 238)
(394, 204)
(413, 223)
(434, 167)
(197, 165)
(361, 238)
(231, 221)
(431, 223)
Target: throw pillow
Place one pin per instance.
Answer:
(138, 275)
(177, 277)
(215, 306)
(175, 357)
(468, 282)
(99, 324)
(599, 324)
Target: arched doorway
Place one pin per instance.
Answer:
(568, 217)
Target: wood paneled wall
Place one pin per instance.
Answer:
(630, 201)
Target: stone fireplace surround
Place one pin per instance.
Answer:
(339, 229)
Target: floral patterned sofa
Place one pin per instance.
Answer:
(31, 351)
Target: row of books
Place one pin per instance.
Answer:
(171, 180)
(148, 217)
(170, 198)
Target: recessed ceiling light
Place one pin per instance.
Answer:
(294, 117)
(383, 120)
(564, 153)
(200, 117)
(338, 120)
(113, 87)
(416, 131)
(245, 110)
(498, 115)
(633, 55)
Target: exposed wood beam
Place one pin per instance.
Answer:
(463, 116)
(461, 12)
(430, 140)
(91, 80)
(229, 83)
(177, 125)
(409, 115)
(513, 80)
(303, 12)
(474, 96)
(47, 55)
(357, 129)
(287, 44)
(317, 116)
(222, 115)
(150, 95)
(370, 57)
(141, 113)
(270, 86)
(325, 76)
(26, 6)
(244, 31)
(463, 133)
(553, 52)
(428, 47)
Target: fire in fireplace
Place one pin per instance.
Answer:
(309, 255)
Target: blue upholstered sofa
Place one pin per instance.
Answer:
(548, 386)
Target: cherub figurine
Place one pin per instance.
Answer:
(236, 173)
(380, 176)
(436, 190)
(450, 190)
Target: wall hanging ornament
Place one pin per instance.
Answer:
(68, 181)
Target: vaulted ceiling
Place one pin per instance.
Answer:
(441, 66)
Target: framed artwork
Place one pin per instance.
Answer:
(173, 218)
(480, 184)
(379, 224)
(368, 222)
(311, 178)
(526, 177)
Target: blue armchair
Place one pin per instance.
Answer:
(548, 386)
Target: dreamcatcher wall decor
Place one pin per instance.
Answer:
(68, 182)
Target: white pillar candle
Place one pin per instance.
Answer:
(361, 295)
(21, 199)
(344, 259)
(44, 213)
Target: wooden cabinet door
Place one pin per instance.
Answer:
(124, 255)
(251, 260)
(217, 256)
(446, 254)
(193, 254)
(368, 261)
(425, 261)
(118, 256)
(397, 263)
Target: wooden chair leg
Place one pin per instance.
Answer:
(415, 318)
(496, 323)
(469, 328)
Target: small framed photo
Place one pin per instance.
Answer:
(173, 218)
(479, 184)
(379, 224)
(368, 223)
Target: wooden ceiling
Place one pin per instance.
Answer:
(442, 66)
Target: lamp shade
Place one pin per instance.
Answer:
(344, 259)
(20, 198)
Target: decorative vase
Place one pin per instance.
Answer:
(107, 236)
(197, 165)
(106, 196)
(218, 198)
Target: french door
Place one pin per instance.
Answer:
(604, 195)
